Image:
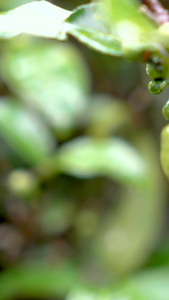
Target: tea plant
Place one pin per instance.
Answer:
(48, 98)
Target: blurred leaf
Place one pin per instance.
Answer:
(136, 32)
(23, 130)
(37, 280)
(148, 285)
(88, 16)
(22, 183)
(52, 281)
(129, 234)
(107, 115)
(88, 27)
(164, 157)
(85, 224)
(56, 217)
(163, 30)
(51, 77)
(152, 285)
(125, 12)
(11, 4)
(105, 26)
(47, 21)
(39, 18)
(115, 158)
(160, 256)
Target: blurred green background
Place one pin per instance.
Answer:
(83, 201)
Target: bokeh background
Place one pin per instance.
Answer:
(81, 187)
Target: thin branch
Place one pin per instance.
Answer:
(155, 11)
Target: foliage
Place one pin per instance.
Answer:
(83, 198)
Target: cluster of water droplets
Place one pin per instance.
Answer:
(157, 70)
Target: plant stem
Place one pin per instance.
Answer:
(155, 10)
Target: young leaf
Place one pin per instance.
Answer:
(97, 40)
(87, 25)
(125, 16)
(39, 18)
(136, 32)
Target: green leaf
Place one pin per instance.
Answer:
(135, 31)
(129, 233)
(125, 16)
(8, 5)
(152, 285)
(87, 25)
(36, 280)
(166, 110)
(39, 18)
(107, 26)
(97, 40)
(25, 132)
(107, 115)
(56, 217)
(148, 285)
(115, 158)
(164, 157)
(50, 77)
(114, 27)
(160, 256)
